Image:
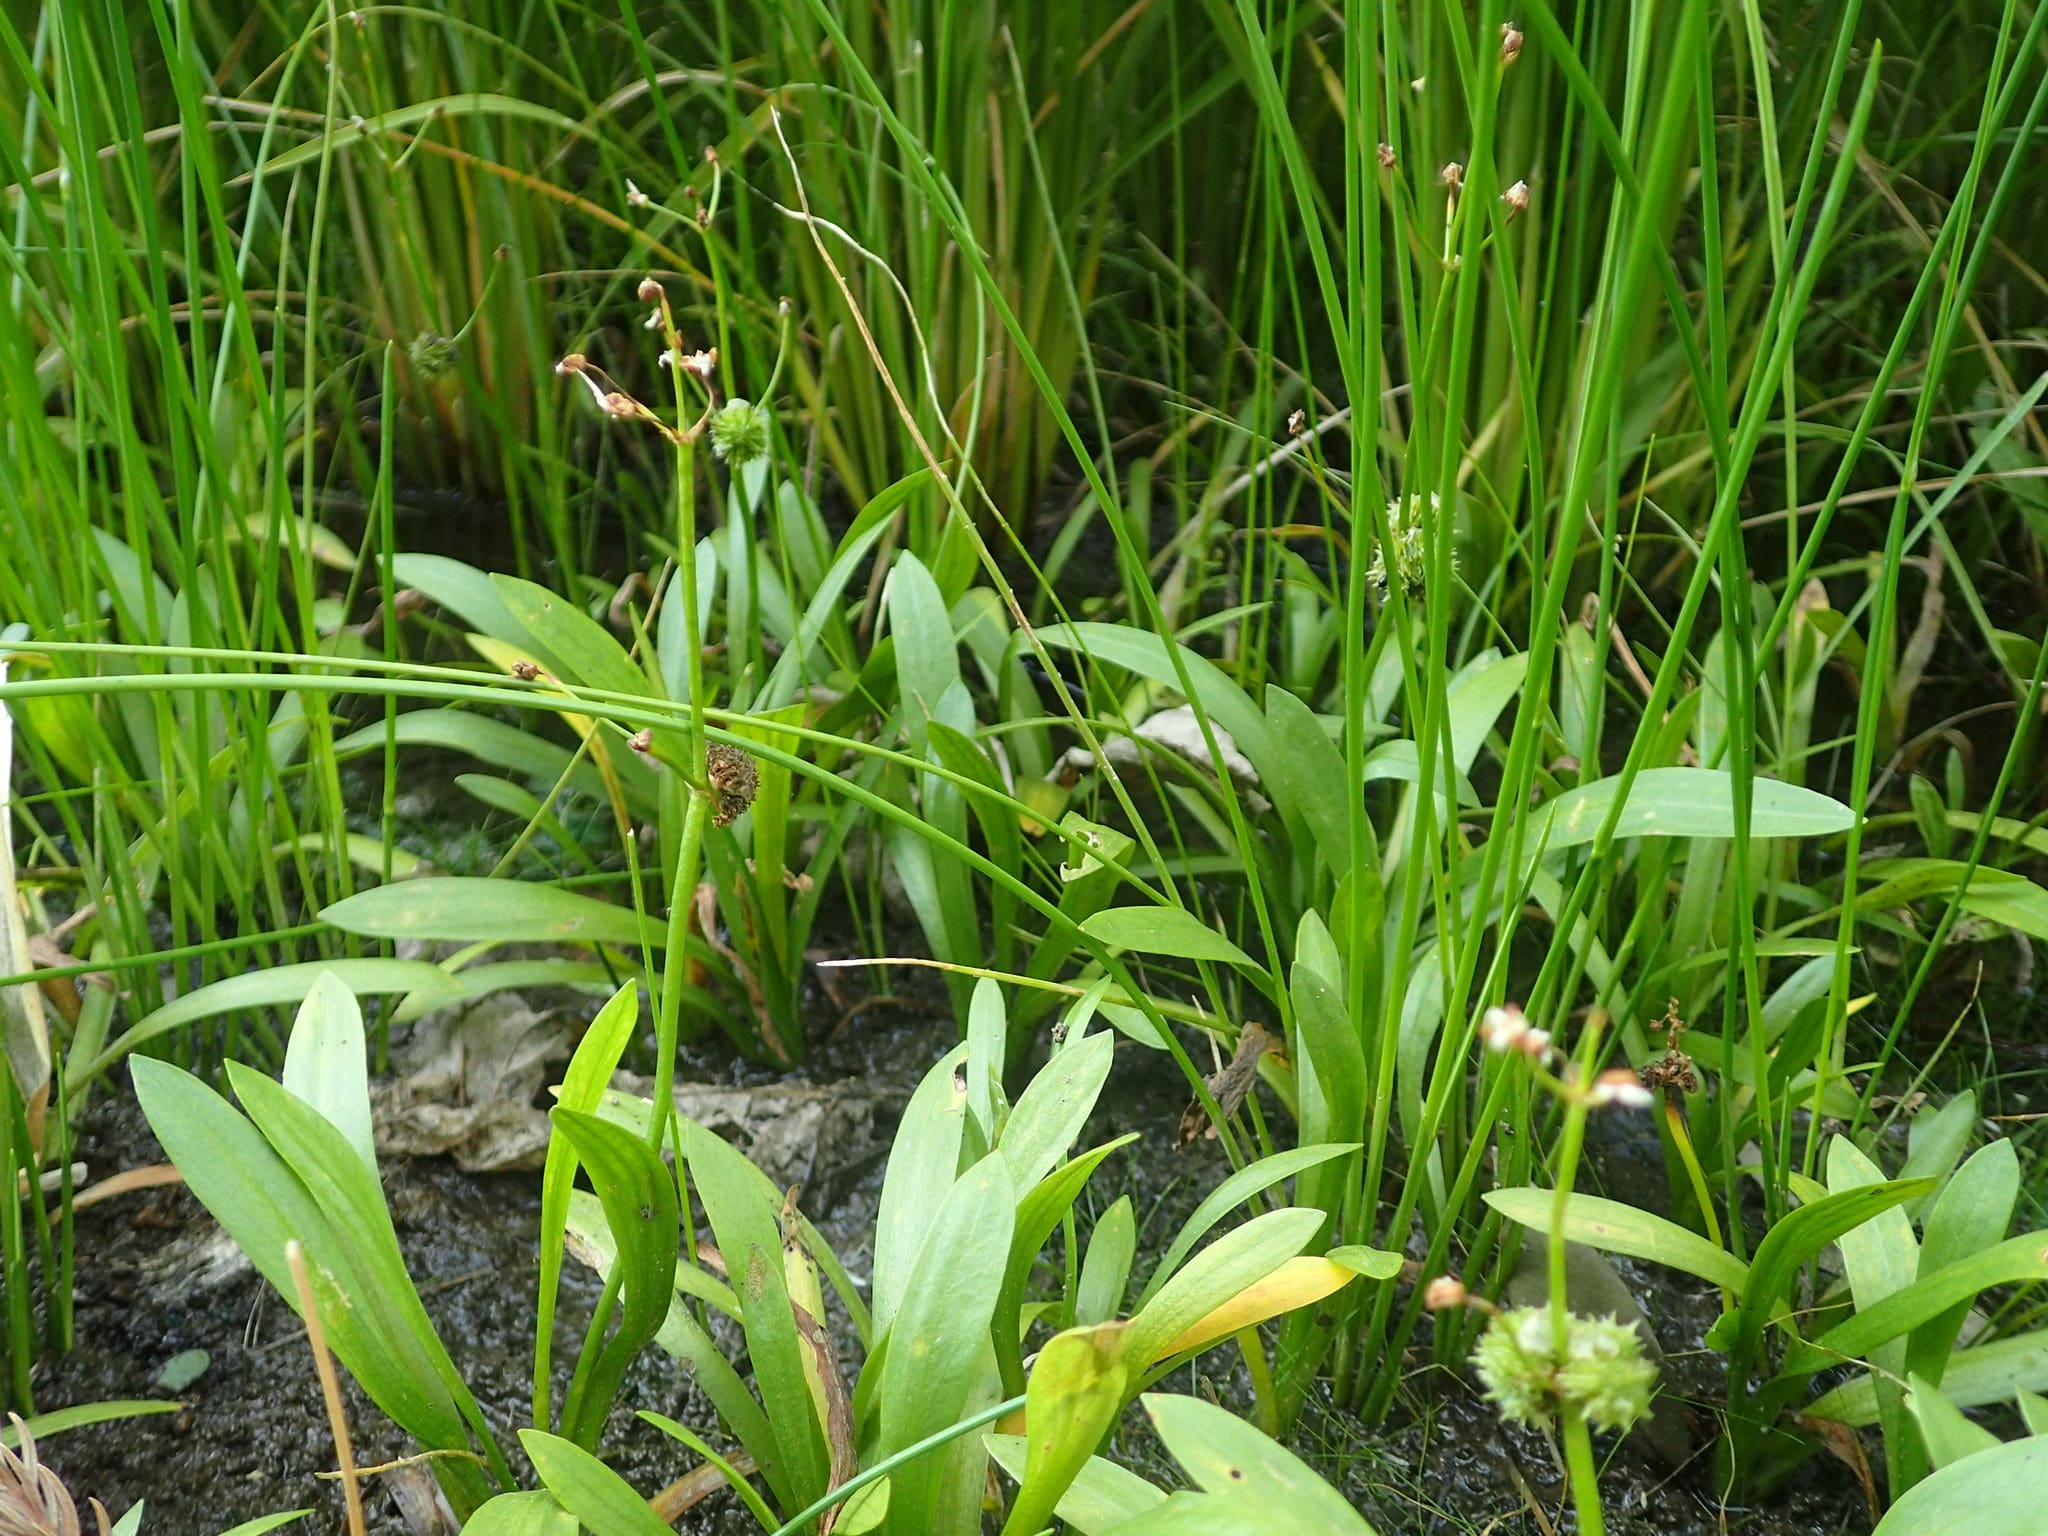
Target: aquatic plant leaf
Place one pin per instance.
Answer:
(585, 651)
(1308, 782)
(924, 1160)
(326, 1062)
(1233, 1461)
(1946, 1434)
(1879, 1257)
(598, 1497)
(1996, 1492)
(1969, 1215)
(44, 1425)
(1140, 651)
(2012, 1262)
(258, 1526)
(590, 1068)
(1971, 1378)
(275, 987)
(1101, 1496)
(1156, 930)
(479, 736)
(1054, 1107)
(1299, 1282)
(262, 1203)
(639, 1198)
(1042, 1208)
(749, 1236)
(467, 907)
(939, 1341)
(1685, 802)
(1614, 1227)
(1250, 1180)
(1227, 1267)
(1106, 1267)
(521, 1514)
(1074, 1397)
(823, 611)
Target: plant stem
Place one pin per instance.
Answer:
(689, 854)
(1585, 1477)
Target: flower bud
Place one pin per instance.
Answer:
(1517, 198)
(1510, 44)
(650, 291)
(1444, 1291)
(641, 740)
(1386, 157)
(525, 671)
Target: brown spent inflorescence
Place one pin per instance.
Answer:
(734, 779)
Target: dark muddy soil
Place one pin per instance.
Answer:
(156, 1278)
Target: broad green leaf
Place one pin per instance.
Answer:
(743, 1222)
(597, 1057)
(1074, 1397)
(1250, 1180)
(1106, 1267)
(1226, 1268)
(361, 1253)
(1232, 1460)
(1879, 1256)
(598, 1497)
(1329, 1069)
(1484, 687)
(326, 1062)
(2012, 1262)
(1042, 1208)
(1969, 1215)
(521, 1514)
(1616, 1228)
(1310, 779)
(1687, 802)
(1102, 1495)
(1797, 1238)
(276, 987)
(987, 1043)
(1946, 1434)
(471, 596)
(927, 655)
(865, 1511)
(1998, 1492)
(924, 1160)
(939, 1340)
(1163, 931)
(1989, 1373)
(457, 907)
(639, 1199)
(1140, 651)
(586, 653)
(1054, 1107)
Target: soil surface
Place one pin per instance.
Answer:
(157, 1278)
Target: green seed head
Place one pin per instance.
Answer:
(739, 433)
(1602, 1372)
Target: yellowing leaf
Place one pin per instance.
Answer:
(1296, 1283)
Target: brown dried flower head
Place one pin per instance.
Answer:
(1454, 175)
(1386, 157)
(641, 740)
(525, 671)
(1517, 198)
(734, 779)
